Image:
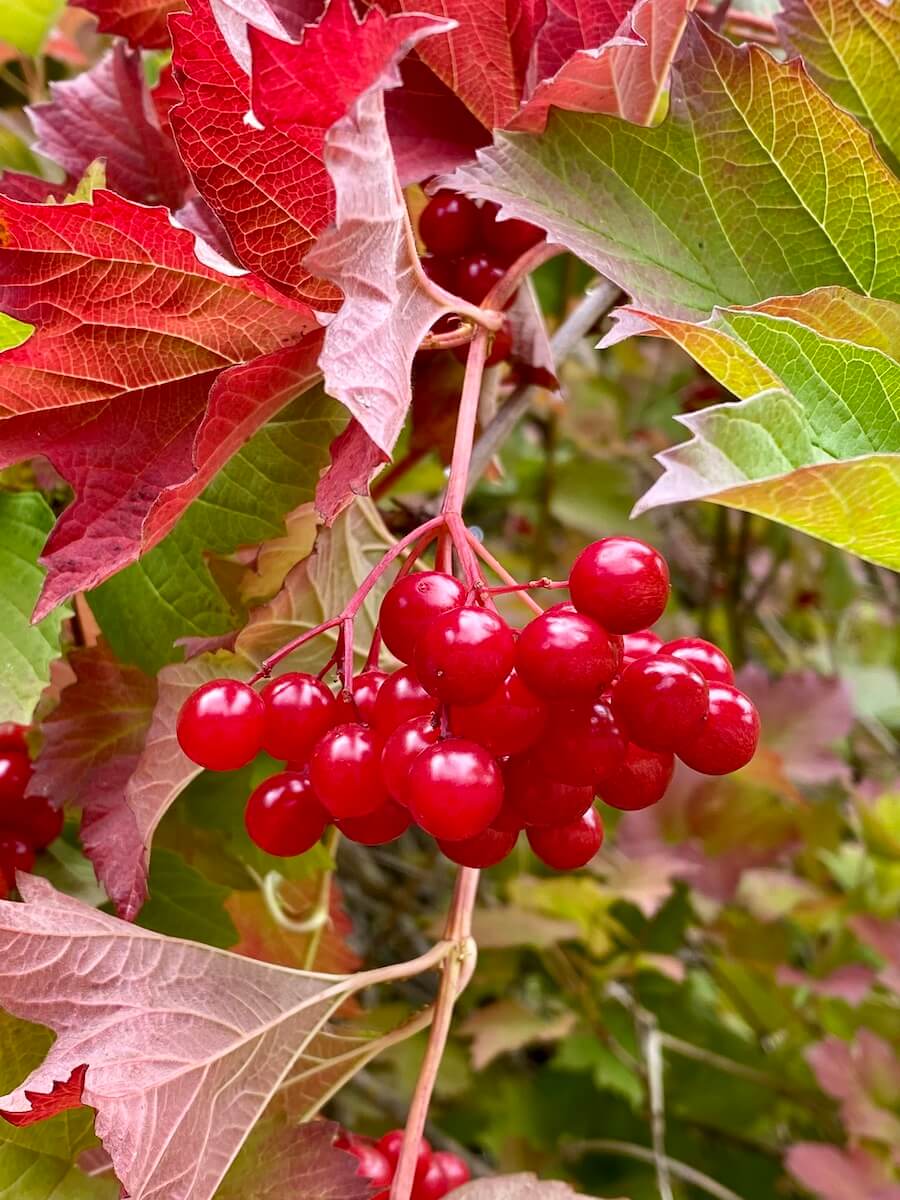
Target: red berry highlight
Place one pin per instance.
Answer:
(639, 645)
(621, 582)
(455, 789)
(580, 744)
(455, 1170)
(345, 770)
(15, 774)
(465, 654)
(638, 781)
(400, 699)
(449, 224)
(12, 736)
(299, 709)
(508, 721)
(432, 1184)
(706, 658)
(563, 655)
(222, 724)
(568, 847)
(401, 750)
(728, 738)
(377, 828)
(661, 702)
(283, 815)
(365, 692)
(410, 606)
(476, 274)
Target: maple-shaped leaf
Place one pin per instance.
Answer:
(142, 22)
(175, 1096)
(132, 334)
(107, 113)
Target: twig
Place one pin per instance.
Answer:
(323, 900)
(631, 1150)
(651, 1044)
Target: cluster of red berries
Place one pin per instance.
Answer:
(486, 730)
(28, 824)
(470, 251)
(438, 1172)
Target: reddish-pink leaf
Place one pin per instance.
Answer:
(107, 113)
(66, 1094)
(851, 983)
(183, 1045)
(272, 194)
(619, 70)
(865, 1076)
(18, 186)
(834, 1174)
(884, 938)
(142, 22)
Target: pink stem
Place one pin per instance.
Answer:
(501, 572)
(531, 585)
(465, 424)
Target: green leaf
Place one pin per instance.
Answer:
(585, 1052)
(849, 48)
(814, 441)
(726, 202)
(26, 650)
(24, 24)
(171, 587)
(31, 1175)
(13, 332)
(184, 904)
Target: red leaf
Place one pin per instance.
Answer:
(272, 194)
(884, 938)
(835, 1174)
(107, 113)
(142, 22)
(64, 1095)
(18, 186)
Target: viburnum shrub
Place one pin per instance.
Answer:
(319, 449)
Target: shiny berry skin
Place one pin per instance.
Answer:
(508, 819)
(639, 645)
(440, 271)
(299, 709)
(373, 1162)
(506, 240)
(455, 1170)
(12, 736)
(728, 738)
(566, 656)
(661, 702)
(708, 659)
(464, 655)
(568, 847)
(377, 828)
(581, 743)
(511, 719)
(15, 774)
(449, 224)
(15, 855)
(485, 849)
(639, 781)
(476, 274)
(501, 347)
(283, 815)
(222, 724)
(410, 606)
(538, 800)
(431, 1184)
(37, 820)
(400, 698)
(366, 687)
(455, 789)
(620, 582)
(345, 770)
(402, 749)
(391, 1144)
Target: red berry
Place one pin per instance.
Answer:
(567, 847)
(449, 224)
(15, 773)
(299, 709)
(12, 736)
(345, 770)
(510, 720)
(476, 274)
(373, 1162)
(455, 789)
(661, 702)
(728, 738)
(365, 692)
(566, 656)
(383, 825)
(283, 815)
(465, 654)
(402, 749)
(508, 819)
(639, 645)
(639, 781)
(15, 855)
(400, 699)
(485, 849)
(440, 271)
(432, 1184)
(581, 743)
(508, 239)
(455, 1170)
(501, 347)
(539, 800)
(412, 604)
(392, 1143)
(708, 659)
(38, 820)
(222, 724)
(620, 582)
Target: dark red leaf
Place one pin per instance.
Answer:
(66, 1094)
(142, 22)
